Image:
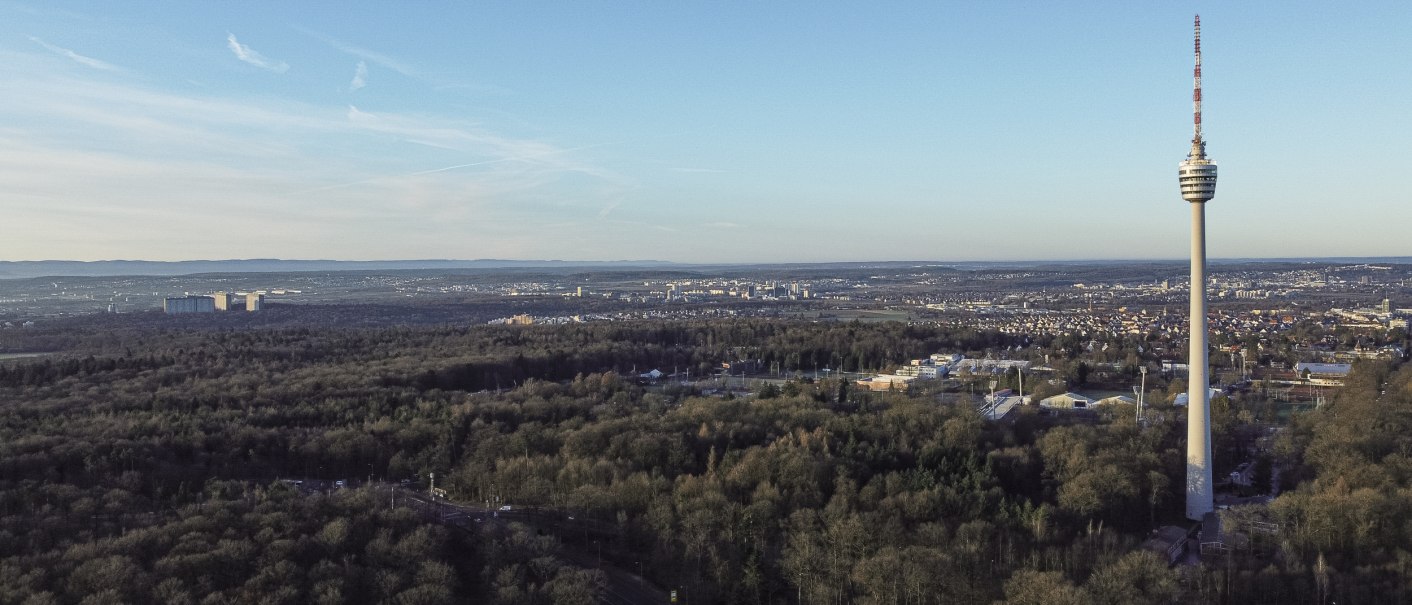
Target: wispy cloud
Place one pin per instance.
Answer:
(249, 55)
(609, 209)
(696, 170)
(396, 65)
(358, 115)
(528, 152)
(64, 52)
(363, 53)
(724, 225)
(655, 226)
(466, 138)
(432, 144)
(233, 158)
(360, 76)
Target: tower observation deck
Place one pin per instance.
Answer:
(1198, 173)
(1198, 176)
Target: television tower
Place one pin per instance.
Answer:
(1197, 176)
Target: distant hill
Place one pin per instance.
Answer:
(108, 268)
(111, 268)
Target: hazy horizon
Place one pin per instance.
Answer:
(1392, 258)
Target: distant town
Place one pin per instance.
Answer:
(1294, 326)
(1087, 300)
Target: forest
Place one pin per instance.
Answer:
(152, 464)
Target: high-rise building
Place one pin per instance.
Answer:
(1197, 176)
(222, 301)
(189, 304)
(254, 301)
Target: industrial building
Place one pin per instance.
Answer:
(885, 382)
(928, 372)
(1077, 401)
(1067, 401)
(1323, 374)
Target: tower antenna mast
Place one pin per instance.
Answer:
(1196, 141)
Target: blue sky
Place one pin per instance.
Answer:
(697, 132)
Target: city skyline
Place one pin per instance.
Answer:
(695, 134)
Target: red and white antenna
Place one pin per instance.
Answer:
(1196, 92)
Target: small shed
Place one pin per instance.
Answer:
(1067, 401)
(1169, 542)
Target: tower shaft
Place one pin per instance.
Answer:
(1199, 496)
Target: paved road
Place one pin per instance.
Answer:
(1001, 407)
